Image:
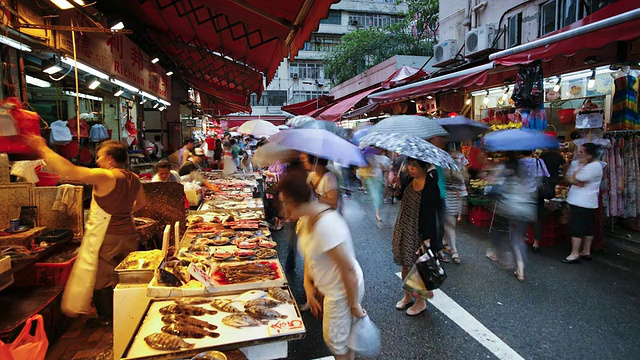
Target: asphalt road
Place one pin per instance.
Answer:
(585, 311)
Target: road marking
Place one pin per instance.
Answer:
(472, 326)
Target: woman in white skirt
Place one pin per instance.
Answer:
(455, 184)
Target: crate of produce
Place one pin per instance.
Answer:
(53, 270)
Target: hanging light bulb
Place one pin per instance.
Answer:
(505, 96)
(592, 80)
(486, 98)
(468, 102)
(556, 87)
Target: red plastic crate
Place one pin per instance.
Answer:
(45, 274)
(550, 235)
(480, 216)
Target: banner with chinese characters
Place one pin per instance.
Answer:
(114, 54)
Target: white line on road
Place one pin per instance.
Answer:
(472, 326)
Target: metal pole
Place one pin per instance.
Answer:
(75, 68)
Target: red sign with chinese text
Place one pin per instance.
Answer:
(115, 55)
(285, 326)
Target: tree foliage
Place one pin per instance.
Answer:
(359, 50)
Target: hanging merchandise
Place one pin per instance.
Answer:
(98, 133)
(73, 126)
(14, 120)
(535, 118)
(590, 116)
(60, 133)
(621, 191)
(130, 133)
(625, 103)
(528, 91)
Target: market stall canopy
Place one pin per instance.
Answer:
(619, 21)
(464, 78)
(256, 33)
(231, 101)
(404, 75)
(335, 111)
(308, 106)
(360, 111)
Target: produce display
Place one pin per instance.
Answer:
(192, 323)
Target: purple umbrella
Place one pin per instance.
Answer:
(320, 143)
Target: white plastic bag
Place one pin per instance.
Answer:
(364, 337)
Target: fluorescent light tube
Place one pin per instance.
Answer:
(148, 96)
(52, 69)
(133, 89)
(65, 5)
(118, 93)
(85, 68)
(14, 44)
(37, 82)
(118, 26)
(82, 96)
(154, 60)
(169, 73)
(94, 84)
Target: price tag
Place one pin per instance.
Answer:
(285, 326)
(200, 275)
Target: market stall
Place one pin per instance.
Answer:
(221, 276)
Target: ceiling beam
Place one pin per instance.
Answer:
(304, 11)
(282, 22)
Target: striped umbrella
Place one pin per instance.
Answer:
(415, 125)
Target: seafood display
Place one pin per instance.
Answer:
(191, 300)
(266, 253)
(187, 320)
(262, 303)
(188, 331)
(162, 341)
(186, 310)
(248, 272)
(141, 260)
(261, 312)
(240, 321)
(280, 295)
(224, 305)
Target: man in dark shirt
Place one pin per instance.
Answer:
(554, 161)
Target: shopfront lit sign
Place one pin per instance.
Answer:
(115, 55)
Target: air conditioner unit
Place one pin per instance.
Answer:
(479, 41)
(445, 52)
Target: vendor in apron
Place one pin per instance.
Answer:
(110, 232)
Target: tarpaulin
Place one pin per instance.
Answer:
(335, 111)
(404, 75)
(304, 107)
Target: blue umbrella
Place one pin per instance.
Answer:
(519, 140)
(320, 143)
(461, 128)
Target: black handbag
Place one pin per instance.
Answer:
(430, 270)
(546, 188)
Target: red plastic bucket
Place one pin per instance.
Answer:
(47, 179)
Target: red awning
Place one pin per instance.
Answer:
(256, 33)
(335, 111)
(404, 75)
(308, 106)
(231, 101)
(460, 79)
(361, 111)
(619, 21)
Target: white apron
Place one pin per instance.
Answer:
(78, 292)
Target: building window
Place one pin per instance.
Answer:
(367, 20)
(334, 18)
(556, 14)
(270, 98)
(306, 70)
(300, 96)
(514, 30)
(321, 42)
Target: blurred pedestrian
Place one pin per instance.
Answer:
(333, 279)
(164, 173)
(418, 223)
(455, 183)
(585, 175)
(534, 169)
(323, 182)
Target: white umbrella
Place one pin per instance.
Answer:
(258, 128)
(283, 127)
(320, 143)
(414, 125)
(268, 153)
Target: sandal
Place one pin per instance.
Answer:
(448, 249)
(443, 257)
(519, 277)
(456, 258)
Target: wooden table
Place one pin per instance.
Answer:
(23, 238)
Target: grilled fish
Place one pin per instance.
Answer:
(240, 321)
(268, 303)
(188, 331)
(280, 295)
(224, 305)
(191, 300)
(262, 312)
(186, 310)
(187, 320)
(162, 341)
